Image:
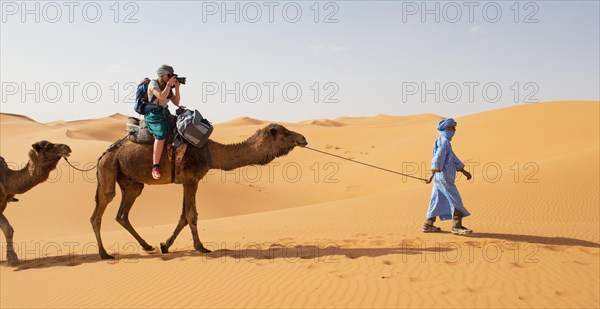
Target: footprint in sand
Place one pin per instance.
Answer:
(560, 293)
(517, 265)
(474, 244)
(554, 248)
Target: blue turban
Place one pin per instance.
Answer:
(444, 124)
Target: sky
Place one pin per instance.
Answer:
(298, 60)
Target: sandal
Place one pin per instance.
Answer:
(156, 173)
(461, 230)
(430, 228)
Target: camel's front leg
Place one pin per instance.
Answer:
(105, 193)
(189, 199)
(130, 191)
(11, 256)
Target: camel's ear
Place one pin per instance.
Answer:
(273, 131)
(37, 147)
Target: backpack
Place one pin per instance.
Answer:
(142, 105)
(194, 128)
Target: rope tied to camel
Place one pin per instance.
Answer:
(110, 148)
(363, 163)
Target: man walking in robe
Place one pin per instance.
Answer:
(445, 199)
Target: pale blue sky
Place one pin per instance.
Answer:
(370, 53)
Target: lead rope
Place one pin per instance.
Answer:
(363, 163)
(107, 150)
(79, 168)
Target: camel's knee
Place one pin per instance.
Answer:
(95, 220)
(8, 232)
(122, 219)
(183, 221)
(6, 228)
(109, 196)
(104, 197)
(192, 218)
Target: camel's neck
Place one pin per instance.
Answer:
(229, 157)
(23, 180)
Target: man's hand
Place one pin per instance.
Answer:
(430, 179)
(467, 174)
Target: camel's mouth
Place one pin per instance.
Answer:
(65, 153)
(301, 144)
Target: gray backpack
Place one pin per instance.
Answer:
(194, 128)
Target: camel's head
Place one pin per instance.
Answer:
(280, 140)
(45, 151)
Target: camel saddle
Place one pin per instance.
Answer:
(139, 133)
(176, 147)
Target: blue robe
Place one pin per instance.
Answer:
(444, 195)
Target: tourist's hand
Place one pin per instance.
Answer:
(172, 81)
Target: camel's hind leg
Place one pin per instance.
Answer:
(189, 199)
(130, 191)
(105, 192)
(11, 256)
(164, 247)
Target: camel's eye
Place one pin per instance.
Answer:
(286, 133)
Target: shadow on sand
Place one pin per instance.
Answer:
(294, 253)
(274, 252)
(543, 240)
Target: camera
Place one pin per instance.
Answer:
(181, 80)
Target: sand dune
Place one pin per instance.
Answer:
(243, 121)
(337, 235)
(324, 123)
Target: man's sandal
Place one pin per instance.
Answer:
(430, 228)
(461, 230)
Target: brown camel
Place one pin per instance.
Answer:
(43, 158)
(129, 165)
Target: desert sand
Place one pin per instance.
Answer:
(310, 230)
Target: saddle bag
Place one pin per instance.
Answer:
(194, 128)
(138, 131)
